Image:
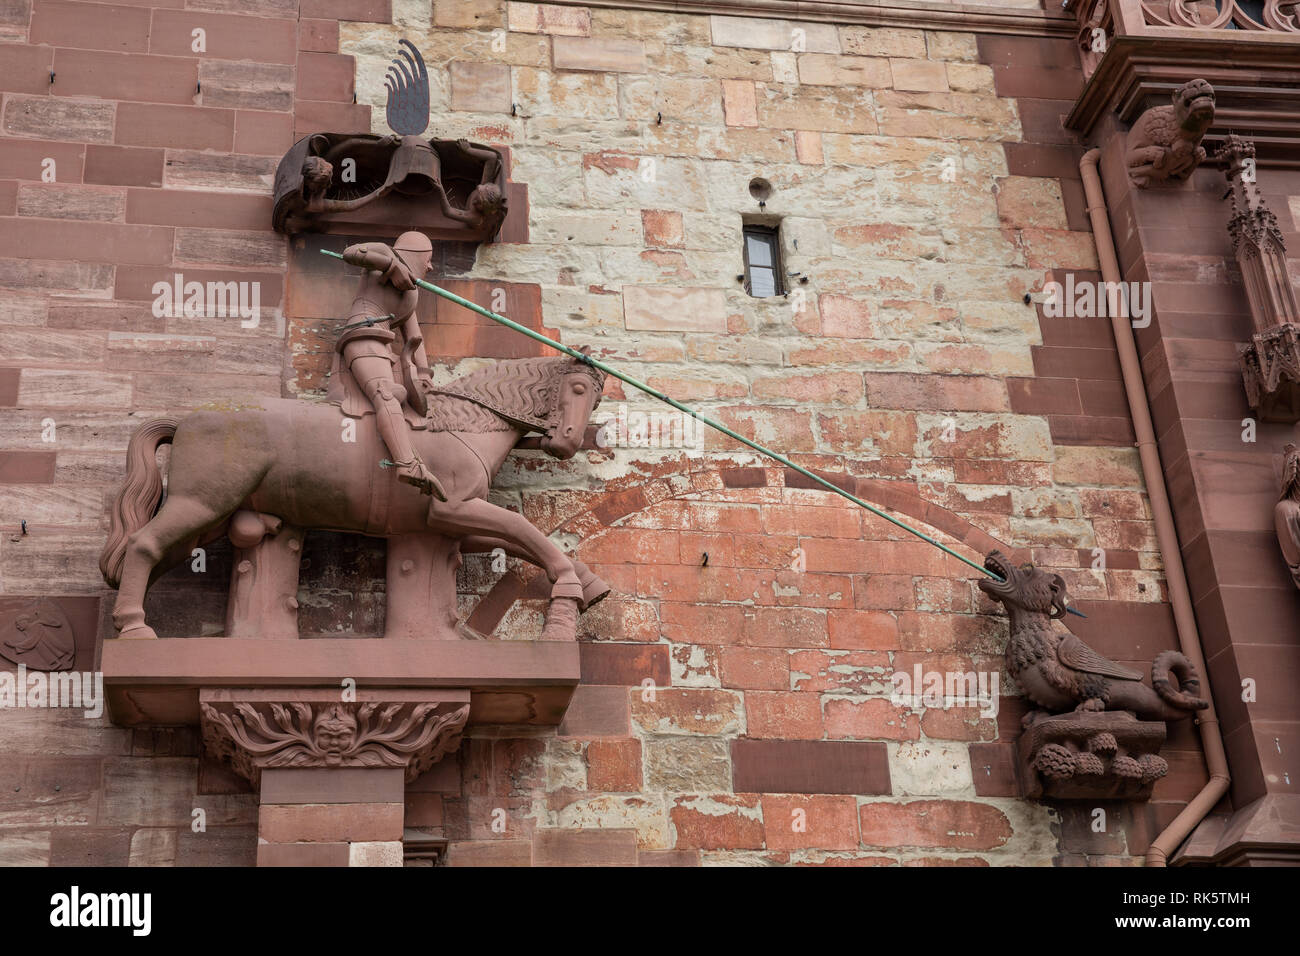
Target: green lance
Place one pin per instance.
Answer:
(641, 386)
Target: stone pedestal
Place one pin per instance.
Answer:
(331, 767)
(1108, 755)
(331, 730)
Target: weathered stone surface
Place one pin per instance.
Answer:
(686, 765)
(915, 200)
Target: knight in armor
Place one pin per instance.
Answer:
(382, 330)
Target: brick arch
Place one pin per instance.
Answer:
(897, 497)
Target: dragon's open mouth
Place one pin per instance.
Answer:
(1000, 566)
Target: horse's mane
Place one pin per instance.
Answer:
(513, 392)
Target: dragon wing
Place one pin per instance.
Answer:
(1076, 655)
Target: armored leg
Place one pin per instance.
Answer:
(380, 389)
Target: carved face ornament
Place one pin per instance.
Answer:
(335, 731)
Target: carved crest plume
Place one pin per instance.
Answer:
(408, 91)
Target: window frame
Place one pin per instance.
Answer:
(771, 235)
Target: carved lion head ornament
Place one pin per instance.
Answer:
(1194, 104)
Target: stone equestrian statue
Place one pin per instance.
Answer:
(263, 471)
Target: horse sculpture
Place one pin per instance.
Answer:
(261, 472)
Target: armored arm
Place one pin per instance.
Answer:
(369, 255)
(380, 258)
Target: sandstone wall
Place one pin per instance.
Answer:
(734, 712)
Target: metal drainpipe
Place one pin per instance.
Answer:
(1153, 475)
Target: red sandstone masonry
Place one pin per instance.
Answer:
(796, 655)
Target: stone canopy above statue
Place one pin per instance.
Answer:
(365, 184)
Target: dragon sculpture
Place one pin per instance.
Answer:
(1057, 670)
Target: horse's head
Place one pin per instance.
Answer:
(577, 394)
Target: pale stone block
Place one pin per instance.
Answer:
(970, 78)
(929, 768)
(1097, 466)
(807, 147)
(826, 69)
(837, 110)
(586, 227)
(649, 182)
(672, 29)
(478, 87)
(153, 846)
(785, 68)
(25, 847)
(21, 310)
(921, 76)
(54, 388)
(549, 18)
(647, 815)
(585, 95)
(951, 46)
(662, 309)
(60, 118)
(195, 169)
(882, 41)
(767, 34)
(605, 54)
(385, 853)
(468, 14)
(689, 99)
(43, 345)
(739, 103)
(70, 201)
(686, 765)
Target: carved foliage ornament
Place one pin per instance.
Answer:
(256, 735)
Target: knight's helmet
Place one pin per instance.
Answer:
(414, 249)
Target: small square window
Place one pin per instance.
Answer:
(762, 261)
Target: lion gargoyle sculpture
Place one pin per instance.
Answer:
(1098, 728)
(264, 471)
(1164, 144)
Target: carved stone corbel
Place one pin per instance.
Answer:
(1270, 362)
(1164, 144)
(261, 729)
(1093, 756)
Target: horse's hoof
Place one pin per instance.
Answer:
(593, 592)
(141, 632)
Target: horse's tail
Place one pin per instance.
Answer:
(140, 496)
